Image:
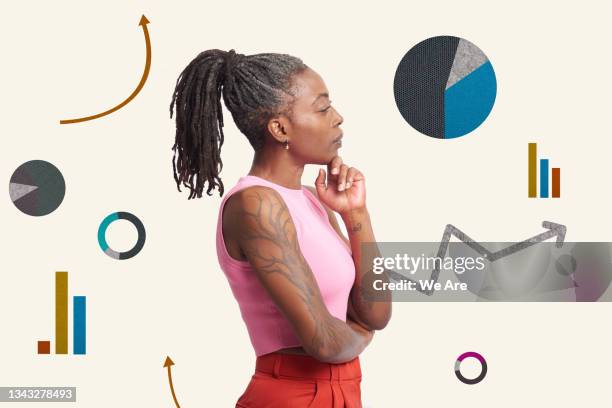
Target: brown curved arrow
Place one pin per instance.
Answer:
(143, 22)
(169, 363)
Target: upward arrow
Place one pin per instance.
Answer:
(554, 229)
(168, 364)
(143, 23)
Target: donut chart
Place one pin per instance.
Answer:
(445, 87)
(483, 371)
(121, 215)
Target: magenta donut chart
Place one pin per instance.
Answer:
(483, 371)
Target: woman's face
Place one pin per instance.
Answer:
(313, 130)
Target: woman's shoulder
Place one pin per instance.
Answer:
(246, 197)
(253, 200)
(257, 212)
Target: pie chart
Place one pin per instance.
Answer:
(445, 87)
(37, 188)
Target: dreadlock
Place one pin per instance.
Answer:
(253, 89)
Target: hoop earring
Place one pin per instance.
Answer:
(286, 144)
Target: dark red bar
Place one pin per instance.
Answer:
(44, 347)
(556, 182)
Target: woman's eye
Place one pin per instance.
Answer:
(325, 109)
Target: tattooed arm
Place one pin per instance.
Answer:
(260, 222)
(371, 306)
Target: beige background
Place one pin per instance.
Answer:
(69, 59)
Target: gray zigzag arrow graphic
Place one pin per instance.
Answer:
(554, 229)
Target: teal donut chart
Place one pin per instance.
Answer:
(121, 215)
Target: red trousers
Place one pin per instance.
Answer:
(296, 381)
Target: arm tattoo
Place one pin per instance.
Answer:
(356, 227)
(269, 225)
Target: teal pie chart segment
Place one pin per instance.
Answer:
(468, 102)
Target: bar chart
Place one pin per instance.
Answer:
(550, 179)
(79, 320)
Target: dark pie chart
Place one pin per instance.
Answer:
(37, 188)
(445, 87)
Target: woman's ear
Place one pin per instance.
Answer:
(278, 127)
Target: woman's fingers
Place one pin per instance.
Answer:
(334, 166)
(320, 182)
(352, 175)
(342, 177)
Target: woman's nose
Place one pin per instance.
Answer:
(339, 119)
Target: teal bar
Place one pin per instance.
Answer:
(80, 324)
(544, 178)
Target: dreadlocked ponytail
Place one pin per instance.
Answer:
(254, 89)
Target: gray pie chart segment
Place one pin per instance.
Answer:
(468, 57)
(18, 190)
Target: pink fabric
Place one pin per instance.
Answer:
(327, 254)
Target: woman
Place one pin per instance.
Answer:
(297, 279)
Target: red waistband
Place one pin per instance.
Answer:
(307, 367)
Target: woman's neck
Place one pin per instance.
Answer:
(277, 167)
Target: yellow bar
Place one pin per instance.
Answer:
(533, 165)
(61, 312)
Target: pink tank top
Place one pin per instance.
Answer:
(328, 256)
